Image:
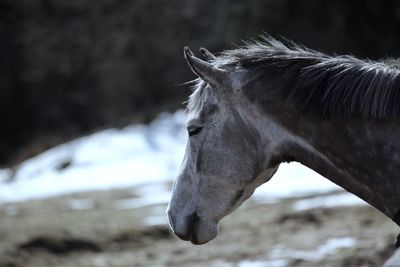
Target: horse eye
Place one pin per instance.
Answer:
(194, 131)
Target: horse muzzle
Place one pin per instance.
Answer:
(191, 227)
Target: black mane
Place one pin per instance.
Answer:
(341, 86)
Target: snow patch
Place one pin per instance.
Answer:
(330, 247)
(337, 200)
(80, 204)
(293, 180)
(156, 220)
(269, 263)
(148, 195)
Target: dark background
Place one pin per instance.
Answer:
(69, 67)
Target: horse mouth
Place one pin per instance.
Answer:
(192, 237)
(192, 222)
(195, 230)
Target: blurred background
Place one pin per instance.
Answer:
(99, 84)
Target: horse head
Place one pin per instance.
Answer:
(228, 155)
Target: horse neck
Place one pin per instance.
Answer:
(361, 156)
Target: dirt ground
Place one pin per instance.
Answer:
(53, 232)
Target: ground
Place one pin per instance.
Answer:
(70, 231)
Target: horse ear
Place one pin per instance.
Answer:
(204, 70)
(207, 55)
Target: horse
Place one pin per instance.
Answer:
(268, 102)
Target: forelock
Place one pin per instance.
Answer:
(200, 94)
